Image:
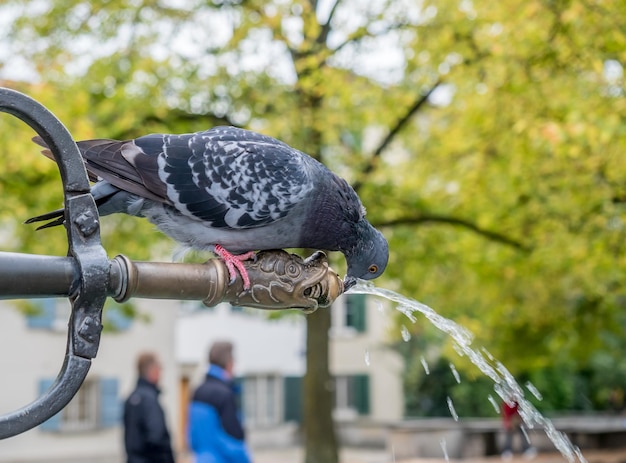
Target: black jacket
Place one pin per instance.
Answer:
(146, 437)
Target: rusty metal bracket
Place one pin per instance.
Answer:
(88, 288)
(279, 280)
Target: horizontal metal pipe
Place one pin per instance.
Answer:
(29, 275)
(161, 280)
(279, 280)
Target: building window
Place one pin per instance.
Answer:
(352, 396)
(49, 314)
(292, 405)
(54, 314)
(82, 411)
(356, 314)
(262, 402)
(96, 405)
(349, 315)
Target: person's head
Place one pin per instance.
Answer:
(149, 367)
(221, 355)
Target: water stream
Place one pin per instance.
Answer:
(505, 384)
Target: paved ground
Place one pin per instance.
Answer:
(294, 455)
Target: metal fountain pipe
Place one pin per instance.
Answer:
(279, 280)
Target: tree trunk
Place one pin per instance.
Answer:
(318, 399)
(320, 441)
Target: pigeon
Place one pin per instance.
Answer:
(231, 191)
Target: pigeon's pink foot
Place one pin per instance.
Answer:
(235, 262)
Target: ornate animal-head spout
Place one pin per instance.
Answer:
(280, 280)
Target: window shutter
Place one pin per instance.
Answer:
(53, 423)
(110, 405)
(361, 384)
(293, 398)
(46, 313)
(357, 315)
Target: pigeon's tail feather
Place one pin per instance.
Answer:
(47, 153)
(56, 218)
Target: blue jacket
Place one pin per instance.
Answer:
(215, 431)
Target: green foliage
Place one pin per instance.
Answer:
(505, 207)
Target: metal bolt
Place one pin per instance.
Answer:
(89, 329)
(87, 223)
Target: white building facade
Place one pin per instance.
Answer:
(32, 350)
(270, 363)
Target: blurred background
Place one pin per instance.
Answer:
(486, 140)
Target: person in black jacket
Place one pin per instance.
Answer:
(146, 437)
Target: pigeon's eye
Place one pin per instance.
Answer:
(373, 269)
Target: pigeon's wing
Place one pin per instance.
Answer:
(127, 166)
(234, 178)
(122, 164)
(226, 177)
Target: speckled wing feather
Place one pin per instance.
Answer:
(234, 178)
(125, 165)
(226, 177)
(122, 164)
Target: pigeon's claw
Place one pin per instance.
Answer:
(234, 264)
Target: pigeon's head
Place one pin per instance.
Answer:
(368, 258)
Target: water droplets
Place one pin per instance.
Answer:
(444, 447)
(455, 373)
(408, 311)
(453, 412)
(505, 385)
(493, 402)
(487, 354)
(425, 365)
(406, 335)
(533, 390)
(525, 433)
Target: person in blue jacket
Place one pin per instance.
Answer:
(216, 434)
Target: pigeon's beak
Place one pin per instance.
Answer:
(348, 282)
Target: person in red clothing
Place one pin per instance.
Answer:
(512, 422)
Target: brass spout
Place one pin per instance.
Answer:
(278, 280)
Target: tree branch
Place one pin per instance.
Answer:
(455, 221)
(321, 38)
(362, 33)
(399, 125)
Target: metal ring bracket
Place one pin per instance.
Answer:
(90, 282)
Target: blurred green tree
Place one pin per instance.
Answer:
(503, 124)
